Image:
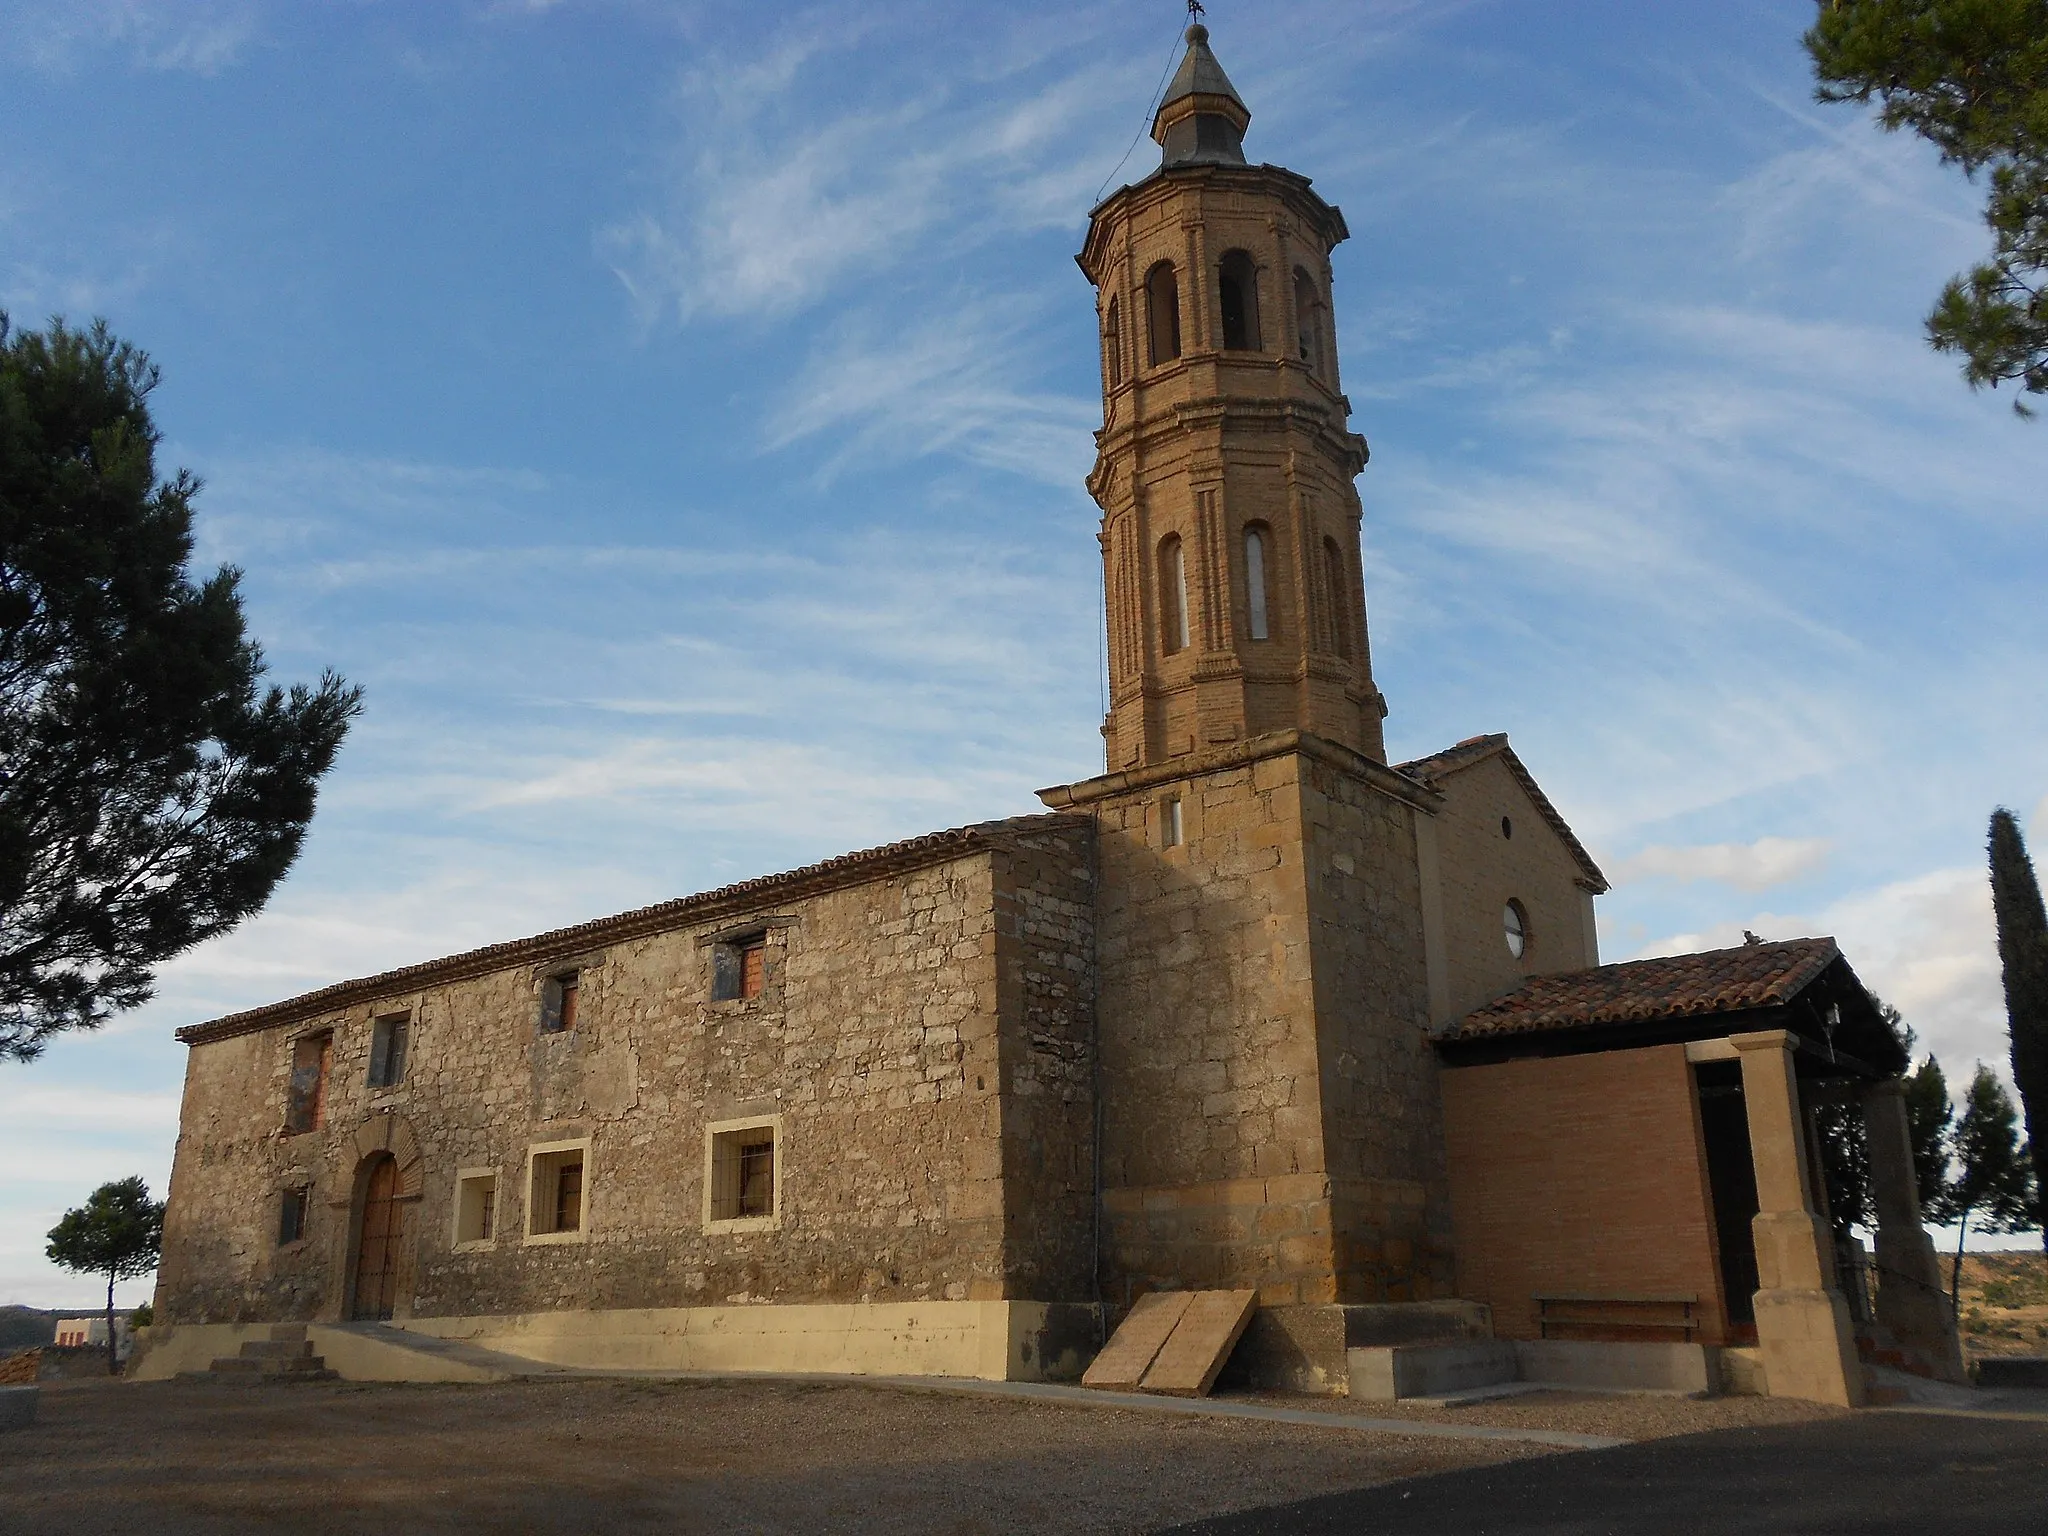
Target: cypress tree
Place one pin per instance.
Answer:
(2023, 957)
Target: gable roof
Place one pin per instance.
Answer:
(1803, 985)
(848, 869)
(1674, 986)
(1474, 750)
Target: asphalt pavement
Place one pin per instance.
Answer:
(1924, 1473)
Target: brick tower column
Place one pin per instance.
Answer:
(1230, 526)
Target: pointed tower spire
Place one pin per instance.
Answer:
(1202, 119)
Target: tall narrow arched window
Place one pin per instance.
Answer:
(1308, 320)
(1173, 595)
(1255, 583)
(1162, 318)
(1340, 598)
(1237, 289)
(1112, 347)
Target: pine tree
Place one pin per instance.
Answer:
(1929, 1117)
(1970, 77)
(1994, 1178)
(153, 790)
(2023, 956)
(119, 1233)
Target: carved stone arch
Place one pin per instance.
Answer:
(392, 1132)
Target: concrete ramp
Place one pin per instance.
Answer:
(1173, 1343)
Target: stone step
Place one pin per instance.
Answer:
(296, 1367)
(276, 1349)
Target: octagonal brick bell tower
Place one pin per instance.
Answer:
(1224, 466)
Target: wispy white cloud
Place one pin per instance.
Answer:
(199, 36)
(769, 203)
(953, 383)
(1756, 866)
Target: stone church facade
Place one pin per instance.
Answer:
(1217, 1018)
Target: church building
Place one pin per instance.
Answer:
(1253, 1009)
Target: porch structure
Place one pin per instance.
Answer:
(1634, 1155)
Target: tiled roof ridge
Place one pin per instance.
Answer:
(810, 879)
(1477, 749)
(1743, 976)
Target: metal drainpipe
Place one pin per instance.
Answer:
(1095, 1078)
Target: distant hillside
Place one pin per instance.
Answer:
(2005, 1303)
(26, 1328)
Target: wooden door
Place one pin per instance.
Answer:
(382, 1242)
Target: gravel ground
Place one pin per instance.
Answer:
(168, 1458)
(1625, 1416)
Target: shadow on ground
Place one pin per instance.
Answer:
(1876, 1472)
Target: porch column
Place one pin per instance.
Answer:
(1910, 1300)
(1802, 1320)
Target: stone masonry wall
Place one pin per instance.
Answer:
(1045, 956)
(1213, 1156)
(876, 1039)
(1382, 1125)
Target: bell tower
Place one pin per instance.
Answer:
(1224, 466)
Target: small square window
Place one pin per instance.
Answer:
(306, 1108)
(476, 1207)
(291, 1215)
(1169, 822)
(739, 968)
(559, 996)
(388, 1037)
(556, 1192)
(743, 1181)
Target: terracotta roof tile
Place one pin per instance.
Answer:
(830, 874)
(1712, 981)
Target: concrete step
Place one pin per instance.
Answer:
(1440, 1370)
(1388, 1373)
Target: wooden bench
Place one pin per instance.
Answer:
(1575, 1309)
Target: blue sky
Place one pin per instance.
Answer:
(675, 416)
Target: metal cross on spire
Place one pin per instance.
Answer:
(1195, 11)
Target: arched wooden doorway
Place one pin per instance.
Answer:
(380, 1240)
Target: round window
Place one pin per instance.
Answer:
(1515, 924)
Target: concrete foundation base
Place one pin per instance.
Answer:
(988, 1340)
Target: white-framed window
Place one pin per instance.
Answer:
(743, 1174)
(558, 1191)
(476, 1207)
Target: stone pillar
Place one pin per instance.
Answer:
(1802, 1320)
(1910, 1301)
